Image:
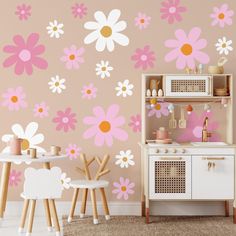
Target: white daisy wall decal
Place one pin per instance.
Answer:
(124, 89)
(125, 159)
(30, 137)
(57, 85)
(103, 69)
(55, 29)
(106, 31)
(65, 181)
(224, 46)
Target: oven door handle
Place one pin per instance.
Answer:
(171, 158)
(213, 158)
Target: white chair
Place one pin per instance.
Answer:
(91, 185)
(41, 184)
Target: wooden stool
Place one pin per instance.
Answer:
(90, 185)
(32, 194)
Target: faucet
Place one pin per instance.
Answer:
(205, 133)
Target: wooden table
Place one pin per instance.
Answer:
(8, 160)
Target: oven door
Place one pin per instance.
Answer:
(170, 177)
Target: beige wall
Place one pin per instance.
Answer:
(36, 86)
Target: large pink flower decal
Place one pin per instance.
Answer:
(65, 120)
(25, 54)
(222, 16)
(171, 11)
(193, 131)
(186, 49)
(105, 126)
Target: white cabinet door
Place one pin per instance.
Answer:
(212, 177)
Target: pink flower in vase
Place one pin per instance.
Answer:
(14, 178)
(25, 54)
(159, 109)
(186, 49)
(89, 91)
(135, 123)
(222, 16)
(65, 120)
(144, 58)
(73, 151)
(123, 189)
(105, 126)
(171, 11)
(79, 10)
(14, 99)
(142, 20)
(193, 131)
(23, 11)
(41, 110)
(73, 57)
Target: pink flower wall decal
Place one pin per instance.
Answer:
(79, 10)
(222, 16)
(65, 120)
(171, 11)
(144, 58)
(142, 21)
(25, 54)
(41, 110)
(73, 151)
(14, 178)
(186, 49)
(14, 99)
(135, 123)
(123, 188)
(73, 57)
(23, 11)
(89, 91)
(159, 109)
(105, 126)
(193, 131)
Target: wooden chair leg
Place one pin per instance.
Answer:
(48, 215)
(55, 217)
(227, 208)
(84, 201)
(31, 217)
(104, 202)
(95, 213)
(23, 215)
(74, 200)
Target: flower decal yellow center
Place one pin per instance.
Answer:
(142, 21)
(106, 31)
(88, 91)
(158, 106)
(123, 188)
(105, 126)
(14, 99)
(25, 144)
(57, 84)
(72, 57)
(104, 68)
(54, 28)
(125, 159)
(224, 45)
(124, 88)
(187, 49)
(221, 16)
(40, 110)
(72, 151)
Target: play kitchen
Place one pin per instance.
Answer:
(187, 139)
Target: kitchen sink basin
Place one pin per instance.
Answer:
(203, 144)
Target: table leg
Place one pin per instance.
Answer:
(6, 168)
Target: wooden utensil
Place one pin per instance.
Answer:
(172, 121)
(182, 121)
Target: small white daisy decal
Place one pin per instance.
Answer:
(103, 69)
(106, 31)
(125, 159)
(57, 85)
(224, 46)
(124, 89)
(55, 29)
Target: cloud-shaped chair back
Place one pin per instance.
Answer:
(43, 183)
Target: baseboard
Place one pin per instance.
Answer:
(130, 208)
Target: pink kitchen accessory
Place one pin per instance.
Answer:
(15, 145)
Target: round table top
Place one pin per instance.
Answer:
(41, 158)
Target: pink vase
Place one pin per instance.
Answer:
(15, 145)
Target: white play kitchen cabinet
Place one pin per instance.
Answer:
(193, 170)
